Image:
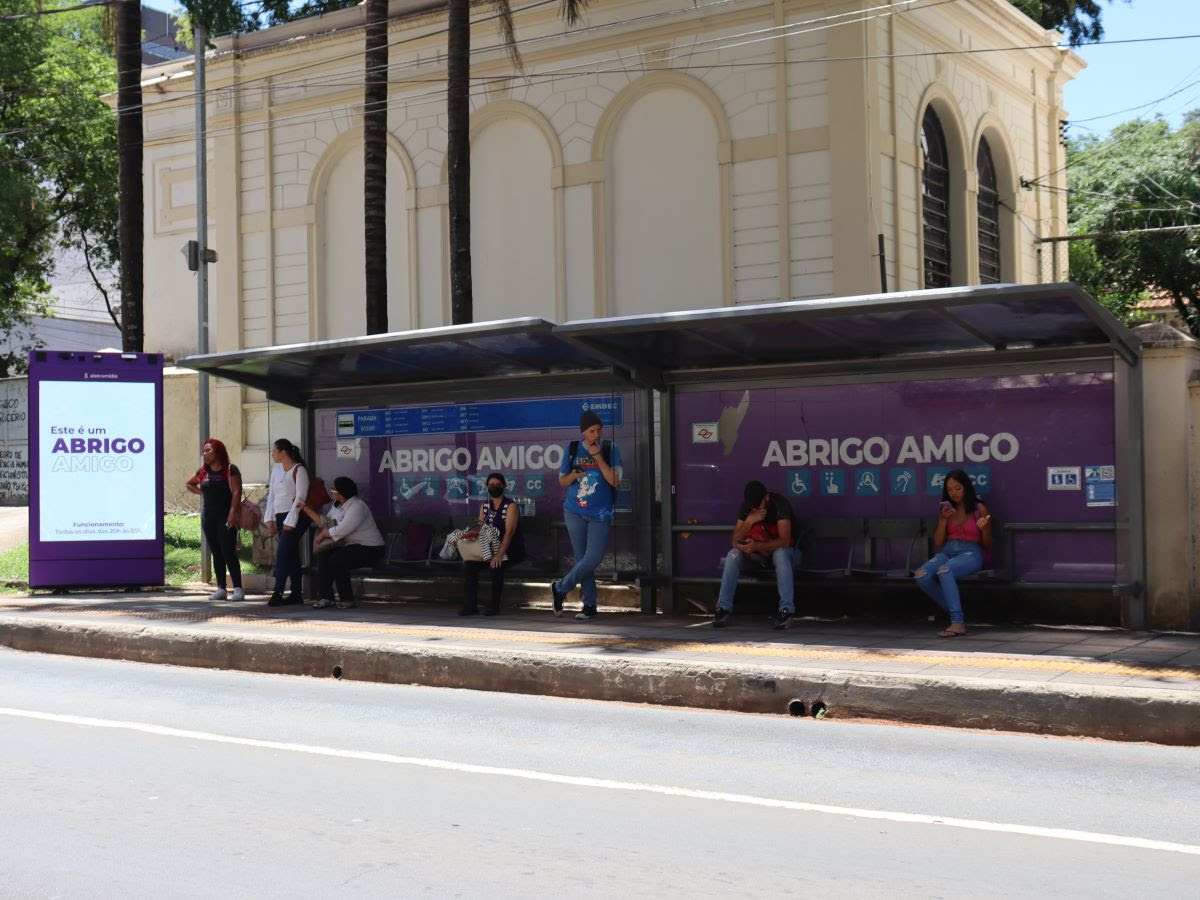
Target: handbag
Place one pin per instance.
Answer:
(317, 496)
(249, 515)
(469, 550)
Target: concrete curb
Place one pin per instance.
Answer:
(1160, 716)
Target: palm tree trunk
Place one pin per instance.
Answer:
(458, 159)
(375, 111)
(129, 172)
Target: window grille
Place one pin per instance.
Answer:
(935, 201)
(989, 216)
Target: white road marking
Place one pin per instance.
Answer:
(1065, 834)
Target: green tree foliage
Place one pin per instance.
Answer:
(1079, 20)
(1137, 190)
(57, 155)
(225, 16)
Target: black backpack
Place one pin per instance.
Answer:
(605, 452)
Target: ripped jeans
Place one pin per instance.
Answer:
(959, 558)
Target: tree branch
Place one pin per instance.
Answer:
(87, 259)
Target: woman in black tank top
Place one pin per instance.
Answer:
(501, 513)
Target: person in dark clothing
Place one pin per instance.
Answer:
(219, 483)
(762, 536)
(501, 513)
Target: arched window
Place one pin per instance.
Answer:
(935, 201)
(989, 216)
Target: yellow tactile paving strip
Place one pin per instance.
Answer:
(979, 661)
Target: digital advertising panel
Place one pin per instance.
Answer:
(95, 469)
(1036, 448)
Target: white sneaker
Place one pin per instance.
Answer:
(217, 595)
(238, 595)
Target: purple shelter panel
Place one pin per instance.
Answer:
(431, 462)
(882, 450)
(95, 469)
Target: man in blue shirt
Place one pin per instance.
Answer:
(590, 472)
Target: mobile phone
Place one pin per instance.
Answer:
(946, 504)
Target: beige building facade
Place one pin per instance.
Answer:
(660, 156)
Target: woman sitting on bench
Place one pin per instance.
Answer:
(349, 539)
(964, 531)
(501, 513)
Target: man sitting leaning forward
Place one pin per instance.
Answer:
(762, 536)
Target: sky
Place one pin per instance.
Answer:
(1122, 76)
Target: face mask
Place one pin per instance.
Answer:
(496, 490)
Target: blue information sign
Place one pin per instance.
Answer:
(509, 415)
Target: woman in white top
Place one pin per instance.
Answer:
(349, 539)
(285, 496)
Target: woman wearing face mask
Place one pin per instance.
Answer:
(502, 514)
(349, 539)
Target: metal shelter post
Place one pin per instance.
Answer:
(666, 452)
(200, 38)
(1133, 603)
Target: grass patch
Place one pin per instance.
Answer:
(181, 548)
(181, 554)
(14, 566)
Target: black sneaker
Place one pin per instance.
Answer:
(289, 600)
(781, 620)
(588, 612)
(276, 600)
(469, 611)
(721, 619)
(558, 596)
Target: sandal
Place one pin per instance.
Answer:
(323, 603)
(342, 604)
(951, 632)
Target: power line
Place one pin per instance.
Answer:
(704, 47)
(16, 17)
(184, 97)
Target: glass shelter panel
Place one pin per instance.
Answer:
(1039, 448)
(428, 464)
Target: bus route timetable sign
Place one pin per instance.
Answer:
(95, 469)
(455, 418)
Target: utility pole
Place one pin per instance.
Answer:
(129, 165)
(202, 257)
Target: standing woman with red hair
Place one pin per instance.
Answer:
(219, 482)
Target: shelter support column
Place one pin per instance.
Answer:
(645, 494)
(1171, 365)
(666, 468)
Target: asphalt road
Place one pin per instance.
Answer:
(119, 779)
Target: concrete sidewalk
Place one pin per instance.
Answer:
(1093, 682)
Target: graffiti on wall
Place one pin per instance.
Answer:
(14, 442)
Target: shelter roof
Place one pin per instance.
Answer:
(929, 326)
(932, 328)
(523, 346)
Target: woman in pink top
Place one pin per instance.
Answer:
(964, 531)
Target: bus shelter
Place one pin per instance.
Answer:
(420, 418)
(855, 408)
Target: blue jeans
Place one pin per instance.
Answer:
(287, 554)
(588, 539)
(785, 559)
(960, 558)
